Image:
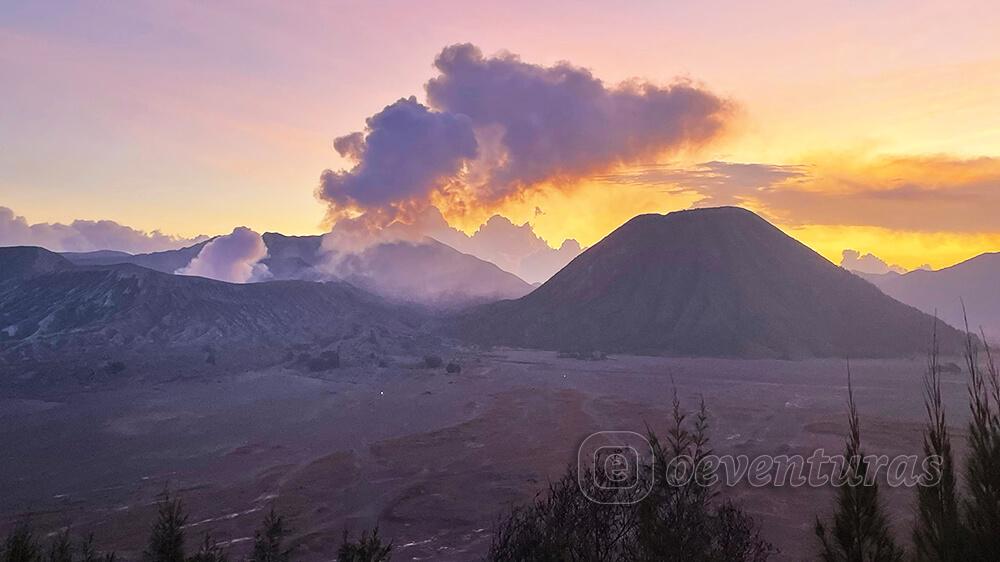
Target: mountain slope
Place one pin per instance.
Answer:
(428, 272)
(26, 261)
(707, 282)
(72, 312)
(976, 281)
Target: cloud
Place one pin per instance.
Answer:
(936, 193)
(513, 248)
(494, 127)
(562, 122)
(232, 257)
(85, 236)
(718, 183)
(915, 193)
(852, 260)
(406, 152)
(546, 262)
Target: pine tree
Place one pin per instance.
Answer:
(267, 544)
(860, 530)
(937, 535)
(88, 552)
(166, 543)
(210, 551)
(676, 521)
(982, 470)
(369, 548)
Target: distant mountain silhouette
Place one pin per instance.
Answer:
(426, 271)
(20, 262)
(706, 282)
(167, 261)
(98, 257)
(53, 309)
(976, 281)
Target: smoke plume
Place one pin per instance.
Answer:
(234, 258)
(496, 126)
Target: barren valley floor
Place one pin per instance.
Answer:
(433, 458)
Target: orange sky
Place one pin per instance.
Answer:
(194, 118)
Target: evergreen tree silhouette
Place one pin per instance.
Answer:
(860, 528)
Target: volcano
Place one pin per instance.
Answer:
(52, 310)
(718, 282)
(423, 271)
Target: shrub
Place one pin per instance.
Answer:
(950, 368)
(114, 367)
(369, 548)
(166, 542)
(326, 361)
(210, 551)
(21, 545)
(61, 549)
(433, 361)
(453, 368)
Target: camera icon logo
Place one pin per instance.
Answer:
(611, 466)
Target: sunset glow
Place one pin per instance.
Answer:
(191, 119)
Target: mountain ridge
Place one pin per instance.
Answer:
(77, 315)
(942, 292)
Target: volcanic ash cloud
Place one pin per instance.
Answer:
(493, 127)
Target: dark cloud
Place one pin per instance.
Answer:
(718, 183)
(497, 125)
(406, 152)
(85, 236)
(561, 121)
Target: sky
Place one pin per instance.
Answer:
(870, 126)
